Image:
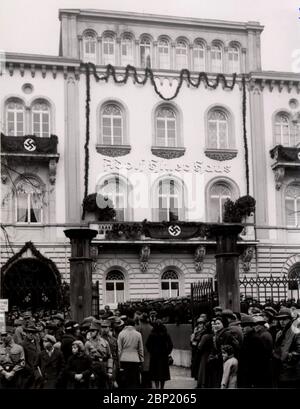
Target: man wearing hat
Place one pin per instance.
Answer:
(59, 320)
(68, 338)
(49, 365)
(12, 362)
(113, 344)
(98, 349)
(269, 314)
(31, 350)
(145, 329)
(287, 351)
(19, 334)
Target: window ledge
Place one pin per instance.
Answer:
(221, 154)
(166, 152)
(113, 150)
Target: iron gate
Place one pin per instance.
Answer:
(203, 298)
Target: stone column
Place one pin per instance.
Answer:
(208, 61)
(80, 47)
(99, 50)
(191, 57)
(243, 60)
(155, 64)
(226, 61)
(227, 263)
(80, 272)
(118, 52)
(173, 56)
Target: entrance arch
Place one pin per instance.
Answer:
(32, 282)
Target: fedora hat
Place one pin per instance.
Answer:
(105, 323)
(49, 338)
(31, 328)
(95, 325)
(258, 319)
(247, 320)
(284, 313)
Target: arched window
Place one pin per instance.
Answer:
(169, 284)
(218, 135)
(145, 52)
(294, 283)
(169, 200)
(117, 192)
(282, 129)
(166, 127)
(216, 59)
(181, 55)
(29, 200)
(127, 50)
(108, 50)
(164, 54)
(89, 48)
(233, 60)
(41, 119)
(218, 194)
(292, 205)
(114, 286)
(199, 57)
(112, 125)
(15, 118)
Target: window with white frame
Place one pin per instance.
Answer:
(108, 50)
(292, 205)
(115, 287)
(218, 135)
(181, 55)
(282, 129)
(112, 125)
(199, 57)
(218, 194)
(166, 129)
(216, 59)
(169, 284)
(41, 119)
(169, 200)
(233, 59)
(89, 48)
(117, 192)
(15, 118)
(145, 52)
(126, 50)
(164, 54)
(29, 200)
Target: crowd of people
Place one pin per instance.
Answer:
(257, 349)
(44, 351)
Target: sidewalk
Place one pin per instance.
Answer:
(180, 378)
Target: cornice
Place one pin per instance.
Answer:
(42, 59)
(161, 19)
(274, 80)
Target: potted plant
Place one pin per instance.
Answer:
(100, 206)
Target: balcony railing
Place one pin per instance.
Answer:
(286, 158)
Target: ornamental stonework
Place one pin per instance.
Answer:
(113, 151)
(168, 153)
(221, 155)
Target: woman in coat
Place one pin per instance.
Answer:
(159, 345)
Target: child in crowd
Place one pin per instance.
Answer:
(230, 368)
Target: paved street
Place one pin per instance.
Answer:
(180, 378)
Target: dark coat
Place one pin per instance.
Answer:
(51, 368)
(204, 349)
(145, 329)
(31, 352)
(78, 364)
(247, 361)
(66, 345)
(262, 360)
(159, 346)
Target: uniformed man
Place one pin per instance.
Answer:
(107, 334)
(12, 363)
(99, 351)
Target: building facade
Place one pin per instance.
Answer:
(170, 150)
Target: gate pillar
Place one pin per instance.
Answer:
(227, 264)
(80, 272)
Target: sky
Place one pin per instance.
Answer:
(32, 26)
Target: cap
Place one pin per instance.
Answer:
(27, 314)
(270, 311)
(105, 324)
(258, 319)
(71, 325)
(49, 338)
(58, 317)
(229, 314)
(284, 313)
(246, 320)
(31, 328)
(95, 325)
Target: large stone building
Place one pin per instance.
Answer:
(67, 133)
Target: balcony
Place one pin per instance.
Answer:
(29, 149)
(286, 159)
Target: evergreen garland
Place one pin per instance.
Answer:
(245, 133)
(184, 73)
(87, 134)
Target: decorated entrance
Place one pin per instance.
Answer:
(30, 281)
